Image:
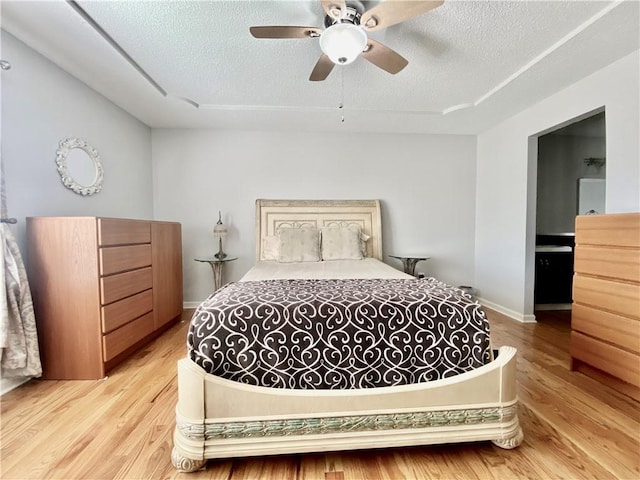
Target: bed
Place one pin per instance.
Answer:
(349, 357)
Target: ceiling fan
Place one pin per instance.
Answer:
(345, 36)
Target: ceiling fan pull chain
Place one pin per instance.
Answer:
(341, 104)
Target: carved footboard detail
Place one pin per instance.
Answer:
(275, 436)
(351, 423)
(510, 442)
(513, 435)
(183, 464)
(217, 418)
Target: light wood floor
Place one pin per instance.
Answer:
(121, 427)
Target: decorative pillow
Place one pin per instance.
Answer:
(298, 245)
(341, 243)
(270, 249)
(363, 243)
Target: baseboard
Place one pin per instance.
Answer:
(552, 306)
(507, 312)
(8, 384)
(188, 305)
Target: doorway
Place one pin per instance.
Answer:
(571, 175)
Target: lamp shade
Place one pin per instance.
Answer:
(220, 230)
(343, 42)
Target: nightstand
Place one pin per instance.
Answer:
(217, 266)
(409, 262)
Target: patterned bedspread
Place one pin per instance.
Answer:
(338, 334)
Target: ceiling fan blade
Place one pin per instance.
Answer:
(285, 32)
(322, 69)
(383, 57)
(391, 12)
(335, 8)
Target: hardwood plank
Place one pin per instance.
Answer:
(121, 427)
(282, 467)
(334, 476)
(599, 429)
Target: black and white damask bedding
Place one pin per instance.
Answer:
(338, 334)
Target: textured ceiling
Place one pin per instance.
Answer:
(194, 64)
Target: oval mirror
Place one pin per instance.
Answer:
(79, 166)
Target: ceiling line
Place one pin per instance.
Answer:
(293, 108)
(115, 45)
(446, 111)
(573, 33)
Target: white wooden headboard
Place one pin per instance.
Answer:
(273, 214)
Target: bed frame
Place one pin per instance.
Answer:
(218, 418)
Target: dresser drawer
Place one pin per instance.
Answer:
(608, 358)
(601, 261)
(119, 340)
(617, 297)
(122, 259)
(116, 287)
(123, 311)
(115, 231)
(607, 326)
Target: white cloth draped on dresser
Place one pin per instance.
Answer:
(19, 352)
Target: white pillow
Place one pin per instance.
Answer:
(363, 243)
(298, 245)
(270, 249)
(341, 243)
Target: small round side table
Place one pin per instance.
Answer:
(217, 265)
(409, 262)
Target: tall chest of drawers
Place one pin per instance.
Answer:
(605, 318)
(101, 288)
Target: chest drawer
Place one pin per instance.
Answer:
(123, 311)
(606, 357)
(121, 259)
(115, 231)
(119, 340)
(609, 295)
(116, 287)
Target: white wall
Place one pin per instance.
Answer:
(506, 178)
(426, 184)
(41, 105)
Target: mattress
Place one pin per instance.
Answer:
(336, 269)
(322, 332)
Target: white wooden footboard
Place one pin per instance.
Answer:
(220, 418)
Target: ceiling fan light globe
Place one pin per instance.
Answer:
(343, 42)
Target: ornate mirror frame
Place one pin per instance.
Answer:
(65, 146)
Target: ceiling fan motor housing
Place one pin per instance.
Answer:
(343, 40)
(352, 15)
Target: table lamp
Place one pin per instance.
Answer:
(220, 231)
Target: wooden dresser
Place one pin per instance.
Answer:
(101, 287)
(605, 320)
